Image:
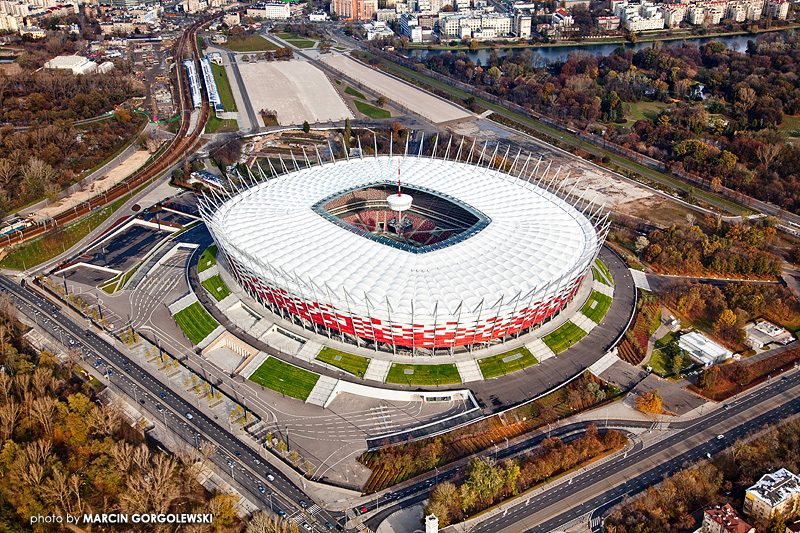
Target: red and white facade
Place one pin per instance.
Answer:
(514, 273)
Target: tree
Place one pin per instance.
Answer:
(347, 134)
(777, 524)
(649, 402)
(381, 101)
(306, 126)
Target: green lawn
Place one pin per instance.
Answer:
(564, 337)
(353, 92)
(596, 306)
(215, 124)
(285, 378)
(790, 125)
(301, 43)
(604, 269)
(46, 247)
(249, 43)
(223, 87)
(495, 366)
(423, 374)
(371, 111)
(354, 364)
(208, 259)
(599, 277)
(216, 287)
(647, 110)
(195, 322)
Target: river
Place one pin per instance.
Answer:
(737, 43)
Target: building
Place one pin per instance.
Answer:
(206, 178)
(608, 23)
(522, 26)
(723, 519)
(355, 9)
(409, 26)
(211, 85)
(773, 492)
(232, 19)
(75, 64)
(703, 349)
(318, 16)
(277, 10)
(778, 9)
(325, 247)
(11, 23)
(104, 67)
(762, 333)
(34, 31)
(215, 57)
(377, 29)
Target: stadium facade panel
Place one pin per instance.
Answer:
(480, 256)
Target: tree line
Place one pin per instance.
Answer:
(726, 132)
(486, 482)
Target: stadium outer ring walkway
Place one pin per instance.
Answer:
(493, 394)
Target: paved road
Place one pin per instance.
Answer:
(248, 107)
(249, 471)
(634, 472)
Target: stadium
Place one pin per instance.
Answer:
(450, 256)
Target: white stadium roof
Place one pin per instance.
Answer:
(534, 240)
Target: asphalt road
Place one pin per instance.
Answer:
(637, 470)
(249, 471)
(251, 115)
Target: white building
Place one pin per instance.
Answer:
(76, 64)
(277, 11)
(773, 492)
(608, 23)
(674, 14)
(386, 15)
(703, 349)
(778, 8)
(232, 19)
(106, 66)
(522, 26)
(377, 29)
(10, 22)
(318, 16)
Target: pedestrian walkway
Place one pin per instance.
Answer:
(322, 391)
(584, 322)
(469, 371)
(377, 370)
(540, 350)
(640, 279)
(604, 289)
(182, 303)
(309, 351)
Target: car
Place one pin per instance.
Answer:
(303, 504)
(256, 461)
(720, 437)
(363, 510)
(159, 408)
(306, 526)
(163, 396)
(708, 455)
(280, 513)
(726, 406)
(261, 489)
(230, 464)
(270, 477)
(141, 401)
(237, 453)
(328, 525)
(110, 372)
(189, 416)
(99, 362)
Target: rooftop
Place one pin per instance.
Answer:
(776, 487)
(728, 518)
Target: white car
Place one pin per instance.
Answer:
(720, 437)
(189, 416)
(270, 477)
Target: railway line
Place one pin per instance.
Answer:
(176, 149)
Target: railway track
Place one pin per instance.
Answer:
(177, 148)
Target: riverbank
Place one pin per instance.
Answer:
(605, 41)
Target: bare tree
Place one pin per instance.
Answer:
(9, 412)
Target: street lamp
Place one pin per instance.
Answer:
(437, 475)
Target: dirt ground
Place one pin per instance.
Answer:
(659, 211)
(117, 174)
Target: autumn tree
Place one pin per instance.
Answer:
(649, 402)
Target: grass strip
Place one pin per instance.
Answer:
(285, 378)
(371, 111)
(208, 259)
(423, 374)
(223, 87)
(195, 322)
(351, 363)
(352, 92)
(596, 306)
(564, 337)
(494, 366)
(216, 287)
